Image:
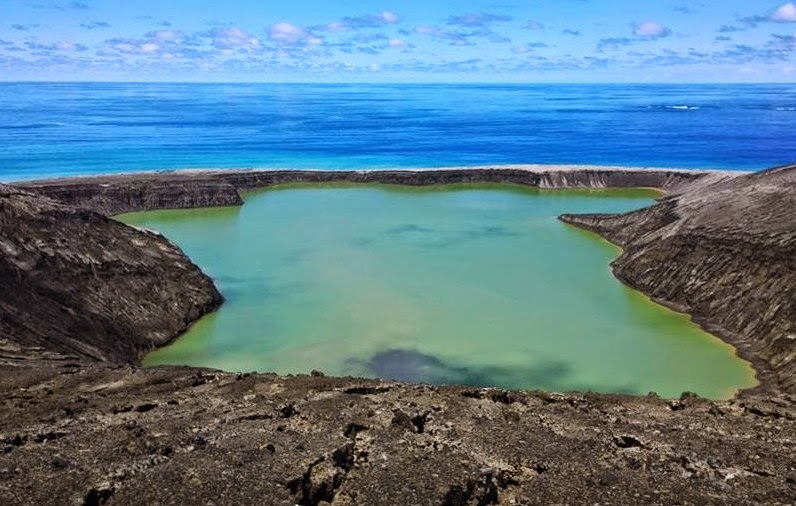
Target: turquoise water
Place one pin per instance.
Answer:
(473, 285)
(61, 129)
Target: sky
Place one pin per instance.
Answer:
(398, 41)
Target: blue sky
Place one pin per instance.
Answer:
(399, 41)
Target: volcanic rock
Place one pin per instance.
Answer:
(723, 250)
(82, 286)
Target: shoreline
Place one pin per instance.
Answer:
(750, 369)
(530, 167)
(142, 191)
(759, 368)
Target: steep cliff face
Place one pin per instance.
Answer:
(111, 195)
(76, 283)
(723, 250)
(539, 176)
(128, 193)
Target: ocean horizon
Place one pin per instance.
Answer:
(52, 129)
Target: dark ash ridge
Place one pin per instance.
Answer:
(82, 297)
(83, 286)
(723, 251)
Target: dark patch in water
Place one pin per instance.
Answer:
(239, 287)
(411, 366)
(432, 239)
(486, 232)
(410, 229)
(296, 256)
(471, 234)
(408, 365)
(492, 231)
(362, 242)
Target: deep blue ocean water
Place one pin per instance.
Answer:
(59, 129)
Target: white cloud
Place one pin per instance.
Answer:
(125, 47)
(456, 38)
(651, 29)
(390, 17)
(131, 46)
(336, 27)
(149, 47)
(364, 21)
(234, 37)
(785, 13)
(398, 43)
(528, 48)
(226, 40)
(166, 35)
(66, 46)
(427, 30)
(534, 25)
(287, 33)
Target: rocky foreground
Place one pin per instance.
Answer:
(94, 435)
(82, 297)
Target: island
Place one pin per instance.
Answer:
(84, 297)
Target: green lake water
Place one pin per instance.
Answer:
(478, 285)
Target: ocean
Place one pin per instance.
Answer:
(64, 129)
